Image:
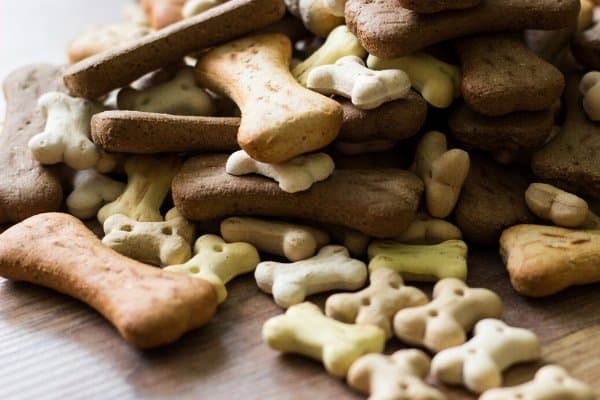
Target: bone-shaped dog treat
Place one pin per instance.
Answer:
(303, 329)
(179, 96)
(478, 364)
(421, 262)
(443, 171)
(148, 183)
(295, 242)
(590, 89)
(437, 81)
(398, 376)
(349, 77)
(556, 205)
(550, 383)
(218, 262)
(101, 73)
(332, 268)
(149, 307)
(356, 242)
(387, 30)
(383, 207)
(280, 118)
(445, 321)
(376, 304)
(543, 260)
(427, 230)
(195, 7)
(162, 12)
(295, 175)
(91, 190)
(315, 15)
(159, 243)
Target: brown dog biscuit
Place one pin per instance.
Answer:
(149, 133)
(399, 119)
(99, 74)
(163, 12)
(26, 187)
(387, 30)
(501, 75)
(492, 199)
(586, 47)
(379, 203)
(433, 6)
(148, 306)
(571, 160)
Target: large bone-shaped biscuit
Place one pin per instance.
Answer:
(280, 118)
(553, 204)
(91, 190)
(387, 30)
(332, 268)
(378, 202)
(149, 307)
(478, 364)
(445, 321)
(303, 329)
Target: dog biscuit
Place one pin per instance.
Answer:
(356, 242)
(315, 15)
(427, 230)
(162, 13)
(195, 7)
(590, 89)
(91, 190)
(553, 204)
(371, 146)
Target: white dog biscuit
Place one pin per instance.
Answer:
(91, 190)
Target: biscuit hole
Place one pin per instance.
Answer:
(519, 396)
(194, 270)
(218, 248)
(127, 228)
(167, 230)
(432, 313)
(500, 329)
(559, 380)
(28, 122)
(403, 386)
(472, 351)
(366, 301)
(394, 285)
(459, 292)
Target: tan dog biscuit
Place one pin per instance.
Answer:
(543, 260)
(356, 242)
(387, 30)
(280, 118)
(26, 187)
(590, 89)
(501, 75)
(163, 12)
(101, 73)
(384, 206)
(434, 6)
(427, 230)
(149, 307)
(586, 47)
(556, 205)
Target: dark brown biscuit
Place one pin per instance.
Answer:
(98, 75)
(586, 47)
(26, 187)
(571, 160)
(149, 133)
(433, 6)
(514, 132)
(387, 30)
(492, 199)
(380, 203)
(501, 75)
(395, 120)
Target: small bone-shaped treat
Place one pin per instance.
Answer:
(159, 243)
(368, 89)
(148, 183)
(478, 364)
(179, 96)
(91, 190)
(295, 242)
(356, 242)
(162, 12)
(280, 118)
(149, 307)
(421, 262)
(331, 269)
(376, 304)
(303, 329)
(443, 171)
(315, 15)
(551, 203)
(399, 376)
(551, 382)
(445, 321)
(218, 262)
(543, 260)
(590, 89)
(427, 230)
(295, 175)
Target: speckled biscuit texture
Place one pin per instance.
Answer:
(433, 6)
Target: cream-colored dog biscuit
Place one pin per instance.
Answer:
(349, 77)
(91, 190)
(590, 89)
(303, 329)
(478, 364)
(179, 96)
(356, 242)
(195, 7)
(550, 383)
(331, 269)
(553, 204)
(159, 243)
(445, 321)
(421, 262)
(295, 175)
(437, 81)
(148, 183)
(295, 242)
(316, 15)
(340, 43)
(376, 304)
(443, 171)
(399, 376)
(427, 230)
(218, 262)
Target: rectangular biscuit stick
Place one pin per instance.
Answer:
(99, 74)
